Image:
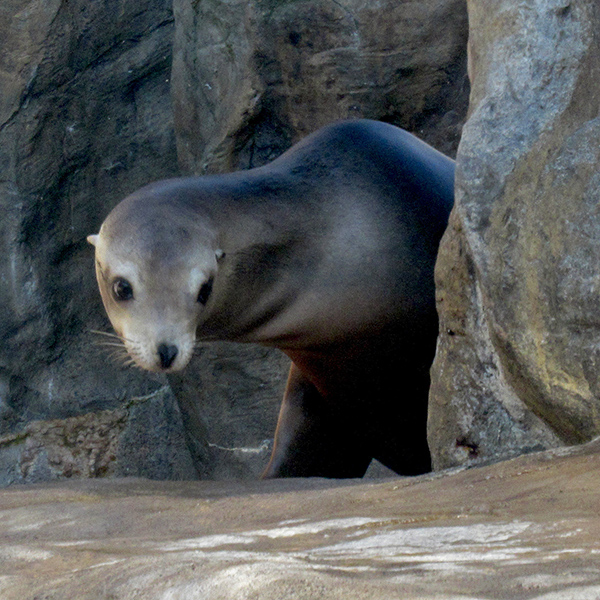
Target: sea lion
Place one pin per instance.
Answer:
(326, 253)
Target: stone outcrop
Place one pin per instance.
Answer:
(526, 529)
(143, 438)
(252, 77)
(517, 366)
(229, 397)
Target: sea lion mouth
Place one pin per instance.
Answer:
(164, 357)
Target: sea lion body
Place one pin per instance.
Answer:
(327, 253)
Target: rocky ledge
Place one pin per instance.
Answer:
(526, 528)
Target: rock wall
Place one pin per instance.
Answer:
(98, 99)
(85, 118)
(518, 277)
(252, 77)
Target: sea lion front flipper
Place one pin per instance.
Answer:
(310, 441)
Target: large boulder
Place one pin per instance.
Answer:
(518, 358)
(526, 529)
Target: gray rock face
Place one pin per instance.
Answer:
(229, 397)
(143, 438)
(85, 118)
(518, 273)
(251, 78)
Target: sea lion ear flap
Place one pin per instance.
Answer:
(219, 254)
(92, 239)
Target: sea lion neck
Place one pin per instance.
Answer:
(238, 208)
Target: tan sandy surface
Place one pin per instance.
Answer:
(527, 528)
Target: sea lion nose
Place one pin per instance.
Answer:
(167, 354)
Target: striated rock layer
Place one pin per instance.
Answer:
(85, 118)
(518, 275)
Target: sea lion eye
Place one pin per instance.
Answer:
(122, 290)
(205, 291)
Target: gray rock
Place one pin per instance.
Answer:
(85, 118)
(251, 78)
(229, 397)
(518, 273)
(144, 438)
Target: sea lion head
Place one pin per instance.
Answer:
(155, 269)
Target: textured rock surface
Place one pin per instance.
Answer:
(518, 275)
(526, 529)
(230, 396)
(143, 438)
(85, 118)
(251, 78)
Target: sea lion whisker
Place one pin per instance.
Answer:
(111, 335)
(131, 364)
(111, 344)
(107, 333)
(115, 351)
